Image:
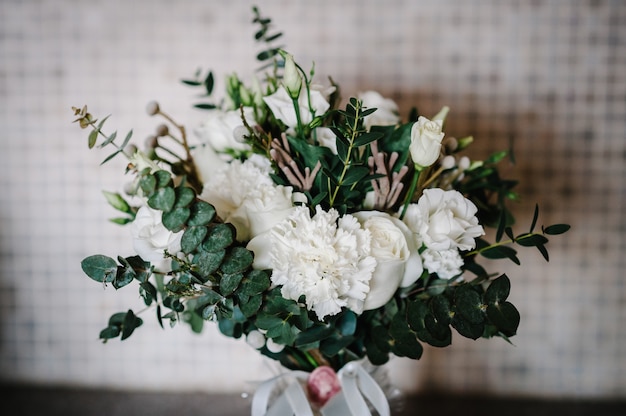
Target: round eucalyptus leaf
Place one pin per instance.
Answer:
(100, 268)
(201, 213)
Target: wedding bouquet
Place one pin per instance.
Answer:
(320, 230)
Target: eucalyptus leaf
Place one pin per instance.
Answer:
(505, 317)
(192, 238)
(208, 262)
(229, 282)
(237, 260)
(163, 199)
(201, 213)
(175, 219)
(100, 268)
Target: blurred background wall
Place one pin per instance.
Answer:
(548, 77)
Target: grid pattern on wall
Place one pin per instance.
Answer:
(547, 77)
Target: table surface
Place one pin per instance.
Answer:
(29, 400)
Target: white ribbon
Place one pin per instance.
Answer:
(356, 386)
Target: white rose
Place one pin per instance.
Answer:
(219, 128)
(281, 104)
(261, 210)
(386, 113)
(244, 194)
(444, 220)
(426, 137)
(207, 161)
(398, 261)
(326, 138)
(151, 238)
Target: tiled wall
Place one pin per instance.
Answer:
(547, 76)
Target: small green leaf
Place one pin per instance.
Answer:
(190, 82)
(505, 317)
(163, 199)
(255, 282)
(209, 262)
(100, 268)
(116, 201)
(252, 306)
(314, 334)
(535, 216)
(219, 237)
(229, 282)
(163, 178)
(131, 322)
(147, 184)
(556, 229)
(468, 303)
(531, 240)
(238, 260)
(205, 106)
(209, 83)
(93, 136)
(355, 174)
(184, 196)
(367, 138)
(192, 238)
(175, 219)
(201, 213)
(498, 290)
(466, 328)
(501, 252)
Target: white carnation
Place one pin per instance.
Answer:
(244, 195)
(445, 263)
(325, 258)
(219, 129)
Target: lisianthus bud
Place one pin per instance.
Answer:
(426, 137)
(246, 96)
(291, 77)
(441, 115)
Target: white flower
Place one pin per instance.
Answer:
(386, 113)
(445, 263)
(273, 346)
(398, 261)
(219, 129)
(207, 161)
(151, 238)
(426, 137)
(325, 258)
(326, 138)
(292, 80)
(255, 339)
(244, 194)
(141, 161)
(444, 220)
(281, 104)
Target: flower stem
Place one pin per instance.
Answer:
(409, 195)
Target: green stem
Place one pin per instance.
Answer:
(346, 162)
(409, 195)
(299, 128)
